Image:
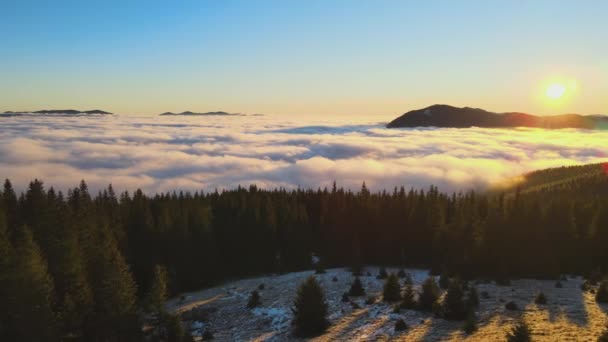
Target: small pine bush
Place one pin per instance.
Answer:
(392, 290)
(400, 325)
(586, 286)
(370, 300)
(453, 306)
(334, 279)
(470, 324)
(356, 288)
(429, 294)
(254, 300)
(310, 309)
(407, 298)
(601, 296)
(382, 274)
(540, 299)
(511, 306)
(472, 298)
(401, 273)
(345, 298)
(520, 333)
(261, 287)
(558, 284)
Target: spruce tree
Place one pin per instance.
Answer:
(601, 296)
(520, 333)
(472, 300)
(30, 293)
(428, 295)
(114, 290)
(382, 274)
(540, 299)
(5, 252)
(453, 306)
(356, 288)
(407, 298)
(157, 294)
(470, 324)
(254, 300)
(392, 290)
(310, 309)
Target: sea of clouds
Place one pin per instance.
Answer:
(207, 153)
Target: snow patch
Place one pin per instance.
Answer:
(280, 317)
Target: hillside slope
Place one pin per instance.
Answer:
(581, 180)
(449, 116)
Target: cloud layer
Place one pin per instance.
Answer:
(164, 154)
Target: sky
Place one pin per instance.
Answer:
(375, 59)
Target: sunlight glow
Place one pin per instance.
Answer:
(555, 91)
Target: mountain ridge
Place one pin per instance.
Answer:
(57, 112)
(441, 115)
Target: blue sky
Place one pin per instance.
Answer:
(374, 58)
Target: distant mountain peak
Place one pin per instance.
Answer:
(441, 115)
(66, 112)
(189, 113)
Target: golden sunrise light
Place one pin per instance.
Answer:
(555, 91)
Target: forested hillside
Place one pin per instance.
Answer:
(89, 260)
(580, 180)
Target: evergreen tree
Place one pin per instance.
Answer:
(157, 294)
(540, 299)
(470, 324)
(392, 290)
(601, 296)
(114, 291)
(5, 252)
(356, 288)
(30, 293)
(472, 300)
(400, 325)
(520, 333)
(382, 274)
(254, 300)
(429, 294)
(453, 306)
(407, 298)
(310, 309)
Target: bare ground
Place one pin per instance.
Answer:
(569, 315)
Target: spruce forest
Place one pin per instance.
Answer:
(92, 260)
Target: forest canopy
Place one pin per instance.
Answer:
(91, 260)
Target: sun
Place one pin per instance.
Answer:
(555, 91)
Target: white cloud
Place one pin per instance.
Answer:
(163, 154)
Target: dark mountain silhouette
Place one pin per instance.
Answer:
(188, 113)
(449, 116)
(57, 112)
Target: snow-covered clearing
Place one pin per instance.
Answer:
(569, 315)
